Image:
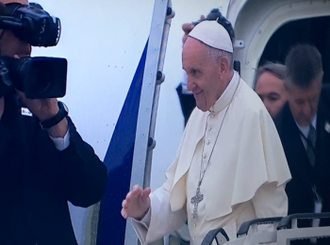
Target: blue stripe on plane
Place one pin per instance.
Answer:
(118, 159)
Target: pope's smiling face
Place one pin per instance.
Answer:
(203, 73)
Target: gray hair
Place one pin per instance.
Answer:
(304, 65)
(276, 69)
(215, 54)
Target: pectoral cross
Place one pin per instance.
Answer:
(195, 200)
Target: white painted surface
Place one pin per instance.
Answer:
(103, 41)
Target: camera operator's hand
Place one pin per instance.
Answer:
(2, 106)
(46, 109)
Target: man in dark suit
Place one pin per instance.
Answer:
(304, 128)
(44, 163)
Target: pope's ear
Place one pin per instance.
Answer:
(224, 64)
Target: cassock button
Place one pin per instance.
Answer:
(205, 156)
(195, 225)
(208, 142)
(210, 128)
(212, 115)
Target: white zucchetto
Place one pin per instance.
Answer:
(213, 34)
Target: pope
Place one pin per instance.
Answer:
(230, 166)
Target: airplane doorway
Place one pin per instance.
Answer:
(315, 31)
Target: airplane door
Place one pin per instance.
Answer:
(265, 30)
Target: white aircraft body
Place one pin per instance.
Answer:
(103, 41)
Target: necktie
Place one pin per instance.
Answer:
(310, 147)
(311, 155)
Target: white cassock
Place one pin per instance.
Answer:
(245, 178)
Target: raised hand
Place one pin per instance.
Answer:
(187, 27)
(137, 203)
(41, 108)
(45, 109)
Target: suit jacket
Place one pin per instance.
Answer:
(37, 180)
(304, 176)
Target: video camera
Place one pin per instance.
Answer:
(37, 77)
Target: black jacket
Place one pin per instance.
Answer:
(37, 180)
(304, 176)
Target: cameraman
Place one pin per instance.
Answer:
(41, 168)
